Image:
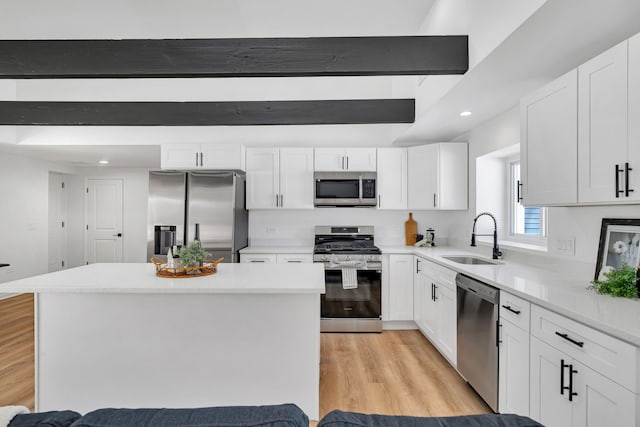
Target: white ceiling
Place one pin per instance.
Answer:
(131, 156)
(514, 48)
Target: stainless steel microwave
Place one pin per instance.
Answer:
(345, 189)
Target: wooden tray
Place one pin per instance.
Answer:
(163, 270)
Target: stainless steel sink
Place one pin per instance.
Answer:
(465, 259)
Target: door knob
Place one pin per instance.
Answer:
(117, 235)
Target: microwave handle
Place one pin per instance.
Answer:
(360, 188)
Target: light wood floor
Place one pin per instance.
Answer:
(17, 351)
(395, 373)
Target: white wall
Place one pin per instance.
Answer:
(581, 223)
(24, 189)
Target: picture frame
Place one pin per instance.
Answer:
(619, 244)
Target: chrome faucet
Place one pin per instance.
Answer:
(496, 249)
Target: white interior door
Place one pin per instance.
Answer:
(104, 238)
(57, 222)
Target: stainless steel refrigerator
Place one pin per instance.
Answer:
(214, 200)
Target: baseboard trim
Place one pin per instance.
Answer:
(398, 325)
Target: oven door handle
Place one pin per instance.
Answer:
(377, 268)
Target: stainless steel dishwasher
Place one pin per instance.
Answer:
(478, 305)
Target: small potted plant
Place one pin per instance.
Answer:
(192, 255)
(620, 282)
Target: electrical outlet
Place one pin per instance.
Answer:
(566, 245)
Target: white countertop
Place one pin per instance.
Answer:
(141, 278)
(277, 250)
(618, 317)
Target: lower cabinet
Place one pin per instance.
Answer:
(513, 377)
(258, 258)
(435, 306)
(276, 258)
(400, 287)
(294, 258)
(565, 392)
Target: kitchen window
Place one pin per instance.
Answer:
(527, 224)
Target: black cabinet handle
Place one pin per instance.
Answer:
(508, 307)
(432, 292)
(435, 295)
(498, 340)
(196, 159)
(519, 192)
(434, 200)
(571, 340)
(562, 386)
(627, 190)
(618, 171)
(571, 392)
(417, 266)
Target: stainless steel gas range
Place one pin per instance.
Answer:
(353, 279)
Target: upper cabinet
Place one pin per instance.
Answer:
(549, 137)
(345, 159)
(581, 133)
(438, 176)
(203, 156)
(604, 166)
(392, 178)
(280, 178)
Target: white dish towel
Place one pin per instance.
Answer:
(349, 278)
(8, 412)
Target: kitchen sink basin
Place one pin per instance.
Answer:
(465, 259)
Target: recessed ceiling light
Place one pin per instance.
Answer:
(465, 113)
(103, 162)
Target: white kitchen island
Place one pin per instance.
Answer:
(115, 335)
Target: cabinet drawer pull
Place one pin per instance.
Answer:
(293, 260)
(618, 172)
(257, 260)
(562, 386)
(417, 266)
(627, 190)
(519, 192)
(568, 338)
(571, 392)
(508, 307)
(196, 159)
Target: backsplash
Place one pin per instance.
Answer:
(295, 228)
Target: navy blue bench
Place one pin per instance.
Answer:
(253, 416)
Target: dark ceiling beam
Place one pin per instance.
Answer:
(243, 57)
(241, 113)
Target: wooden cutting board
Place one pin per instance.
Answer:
(410, 230)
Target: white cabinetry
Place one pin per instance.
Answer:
(608, 161)
(203, 156)
(294, 258)
(513, 382)
(271, 258)
(258, 258)
(345, 159)
(280, 178)
(400, 287)
(435, 306)
(580, 376)
(392, 178)
(437, 176)
(549, 137)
